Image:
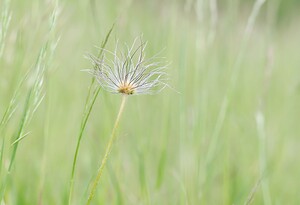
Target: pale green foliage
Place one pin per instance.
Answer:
(228, 136)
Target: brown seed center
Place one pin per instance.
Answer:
(126, 89)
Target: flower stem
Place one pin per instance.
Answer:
(107, 152)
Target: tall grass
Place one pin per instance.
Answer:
(33, 99)
(5, 20)
(93, 92)
(229, 137)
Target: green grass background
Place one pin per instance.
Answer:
(206, 144)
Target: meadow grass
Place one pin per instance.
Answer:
(226, 132)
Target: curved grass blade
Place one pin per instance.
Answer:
(89, 104)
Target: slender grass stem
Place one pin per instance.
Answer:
(108, 150)
(89, 104)
(79, 141)
(15, 146)
(233, 81)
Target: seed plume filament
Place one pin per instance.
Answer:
(128, 72)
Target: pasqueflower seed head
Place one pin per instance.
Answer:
(129, 72)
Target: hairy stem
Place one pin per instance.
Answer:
(107, 152)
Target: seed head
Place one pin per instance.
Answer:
(129, 72)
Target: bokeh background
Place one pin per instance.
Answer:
(225, 132)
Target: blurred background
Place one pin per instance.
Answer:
(227, 132)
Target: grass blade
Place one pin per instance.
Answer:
(89, 104)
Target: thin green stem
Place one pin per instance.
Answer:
(89, 104)
(83, 125)
(15, 146)
(107, 152)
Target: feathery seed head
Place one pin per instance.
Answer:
(128, 73)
